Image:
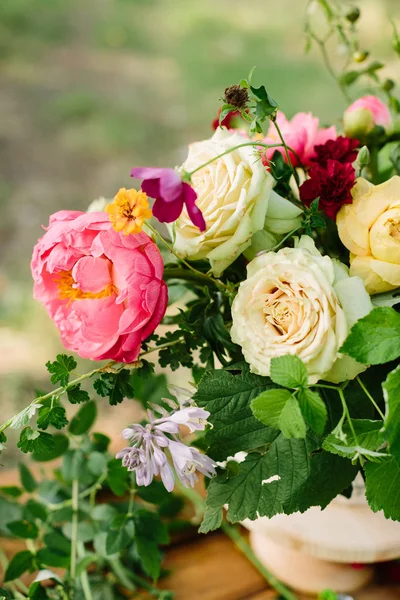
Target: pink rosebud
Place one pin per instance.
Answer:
(103, 290)
(170, 193)
(366, 112)
(302, 133)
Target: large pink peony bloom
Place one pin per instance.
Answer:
(302, 133)
(103, 290)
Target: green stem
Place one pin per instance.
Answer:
(96, 486)
(366, 392)
(74, 533)
(161, 347)
(198, 278)
(289, 162)
(234, 534)
(87, 592)
(283, 240)
(347, 413)
(124, 579)
(217, 282)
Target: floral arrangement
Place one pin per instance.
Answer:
(283, 254)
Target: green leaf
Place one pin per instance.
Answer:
(86, 531)
(100, 442)
(228, 398)
(291, 421)
(383, 485)
(375, 339)
(289, 477)
(35, 510)
(11, 490)
(350, 77)
(27, 479)
(84, 419)
(115, 386)
(289, 371)
(150, 556)
(212, 519)
(117, 540)
(268, 406)
(24, 529)
(313, 409)
(369, 440)
(5, 594)
(32, 440)
(97, 463)
(58, 543)
(52, 415)
(150, 531)
(117, 477)
(61, 368)
(391, 390)
(225, 110)
(21, 562)
(60, 445)
(37, 592)
(266, 105)
(50, 558)
(76, 395)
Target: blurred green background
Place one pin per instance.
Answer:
(90, 88)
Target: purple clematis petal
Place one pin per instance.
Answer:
(170, 193)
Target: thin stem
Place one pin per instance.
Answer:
(325, 386)
(198, 278)
(283, 240)
(217, 282)
(124, 578)
(347, 413)
(96, 486)
(234, 534)
(87, 592)
(132, 492)
(289, 161)
(366, 392)
(74, 533)
(160, 347)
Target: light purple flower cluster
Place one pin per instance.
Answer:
(147, 454)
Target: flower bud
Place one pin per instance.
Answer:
(388, 85)
(353, 14)
(360, 56)
(358, 123)
(363, 157)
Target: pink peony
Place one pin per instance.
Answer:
(302, 133)
(104, 290)
(374, 105)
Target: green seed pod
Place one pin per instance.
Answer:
(388, 85)
(360, 55)
(353, 14)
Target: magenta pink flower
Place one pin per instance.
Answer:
(170, 193)
(302, 133)
(103, 290)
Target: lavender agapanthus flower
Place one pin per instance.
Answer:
(147, 454)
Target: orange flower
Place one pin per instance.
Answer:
(128, 211)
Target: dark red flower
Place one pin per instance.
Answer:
(332, 185)
(228, 122)
(342, 149)
(170, 193)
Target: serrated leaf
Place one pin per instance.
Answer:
(382, 487)
(391, 391)
(369, 440)
(84, 419)
(289, 371)
(268, 406)
(52, 415)
(27, 479)
(212, 520)
(60, 445)
(61, 368)
(291, 421)
(228, 397)
(32, 440)
(115, 386)
(21, 562)
(76, 395)
(375, 339)
(313, 409)
(266, 105)
(289, 477)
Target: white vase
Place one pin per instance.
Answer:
(315, 550)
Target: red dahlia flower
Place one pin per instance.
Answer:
(342, 149)
(332, 185)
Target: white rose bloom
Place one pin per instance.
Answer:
(297, 301)
(232, 193)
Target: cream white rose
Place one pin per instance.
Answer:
(232, 193)
(297, 301)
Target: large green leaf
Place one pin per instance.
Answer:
(383, 487)
(228, 398)
(391, 389)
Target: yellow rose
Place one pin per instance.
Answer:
(370, 229)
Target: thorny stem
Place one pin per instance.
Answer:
(234, 534)
(369, 396)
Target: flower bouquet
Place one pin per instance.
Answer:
(283, 258)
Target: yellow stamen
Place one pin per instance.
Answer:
(65, 281)
(128, 211)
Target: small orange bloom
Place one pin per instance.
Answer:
(128, 211)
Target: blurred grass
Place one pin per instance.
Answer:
(91, 88)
